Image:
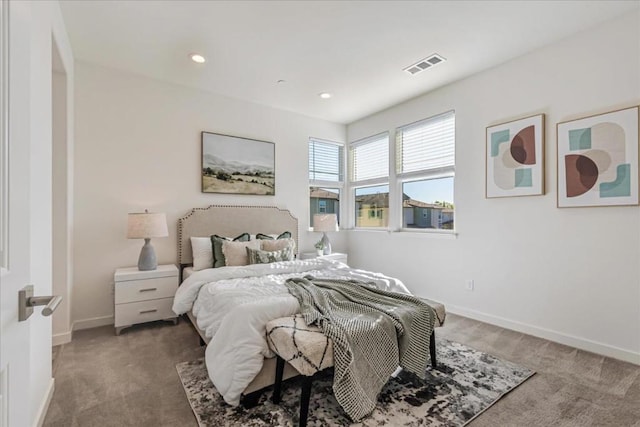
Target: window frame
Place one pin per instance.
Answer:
(423, 178)
(422, 175)
(337, 185)
(373, 182)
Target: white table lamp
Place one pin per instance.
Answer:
(145, 226)
(325, 223)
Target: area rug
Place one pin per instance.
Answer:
(465, 383)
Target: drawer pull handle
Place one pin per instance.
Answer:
(148, 311)
(148, 289)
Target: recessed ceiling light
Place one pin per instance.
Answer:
(196, 57)
(324, 95)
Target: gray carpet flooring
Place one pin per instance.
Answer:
(131, 380)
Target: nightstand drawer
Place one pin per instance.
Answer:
(146, 289)
(144, 311)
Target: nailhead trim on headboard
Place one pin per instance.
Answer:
(283, 216)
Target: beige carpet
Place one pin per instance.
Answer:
(130, 380)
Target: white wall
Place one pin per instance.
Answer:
(138, 146)
(62, 197)
(570, 275)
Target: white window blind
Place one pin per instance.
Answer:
(428, 144)
(325, 161)
(370, 158)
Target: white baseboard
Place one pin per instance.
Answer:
(44, 406)
(570, 340)
(62, 338)
(92, 323)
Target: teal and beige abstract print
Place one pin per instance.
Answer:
(515, 158)
(598, 160)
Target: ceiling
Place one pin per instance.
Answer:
(356, 50)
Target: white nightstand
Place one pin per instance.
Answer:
(336, 256)
(144, 296)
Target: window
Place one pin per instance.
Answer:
(372, 206)
(326, 177)
(325, 161)
(370, 158)
(425, 165)
(437, 212)
(369, 161)
(324, 200)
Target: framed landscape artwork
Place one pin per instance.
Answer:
(235, 165)
(515, 158)
(598, 160)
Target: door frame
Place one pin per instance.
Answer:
(25, 347)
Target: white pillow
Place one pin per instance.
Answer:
(202, 253)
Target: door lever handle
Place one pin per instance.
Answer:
(26, 302)
(51, 303)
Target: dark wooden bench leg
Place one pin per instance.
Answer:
(251, 400)
(432, 348)
(304, 400)
(277, 385)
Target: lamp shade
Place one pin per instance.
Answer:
(325, 222)
(146, 225)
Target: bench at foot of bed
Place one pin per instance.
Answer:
(309, 351)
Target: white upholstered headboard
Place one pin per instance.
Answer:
(230, 221)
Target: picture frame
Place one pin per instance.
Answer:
(514, 158)
(598, 160)
(236, 165)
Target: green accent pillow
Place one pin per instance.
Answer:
(285, 235)
(257, 256)
(216, 244)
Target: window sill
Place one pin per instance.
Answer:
(432, 233)
(436, 233)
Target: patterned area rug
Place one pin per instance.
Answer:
(465, 383)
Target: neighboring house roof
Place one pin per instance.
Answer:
(318, 193)
(382, 199)
(378, 199)
(410, 203)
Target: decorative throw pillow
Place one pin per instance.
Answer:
(202, 253)
(257, 256)
(285, 235)
(276, 245)
(216, 243)
(235, 253)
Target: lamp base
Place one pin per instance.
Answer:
(147, 260)
(326, 244)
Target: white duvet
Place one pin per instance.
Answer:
(233, 305)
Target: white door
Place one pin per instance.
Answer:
(22, 360)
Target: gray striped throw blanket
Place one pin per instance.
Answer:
(373, 332)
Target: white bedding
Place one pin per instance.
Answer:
(233, 304)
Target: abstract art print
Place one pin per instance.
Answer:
(598, 160)
(515, 158)
(235, 165)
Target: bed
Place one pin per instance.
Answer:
(239, 364)
(232, 220)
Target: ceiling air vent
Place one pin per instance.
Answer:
(425, 63)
